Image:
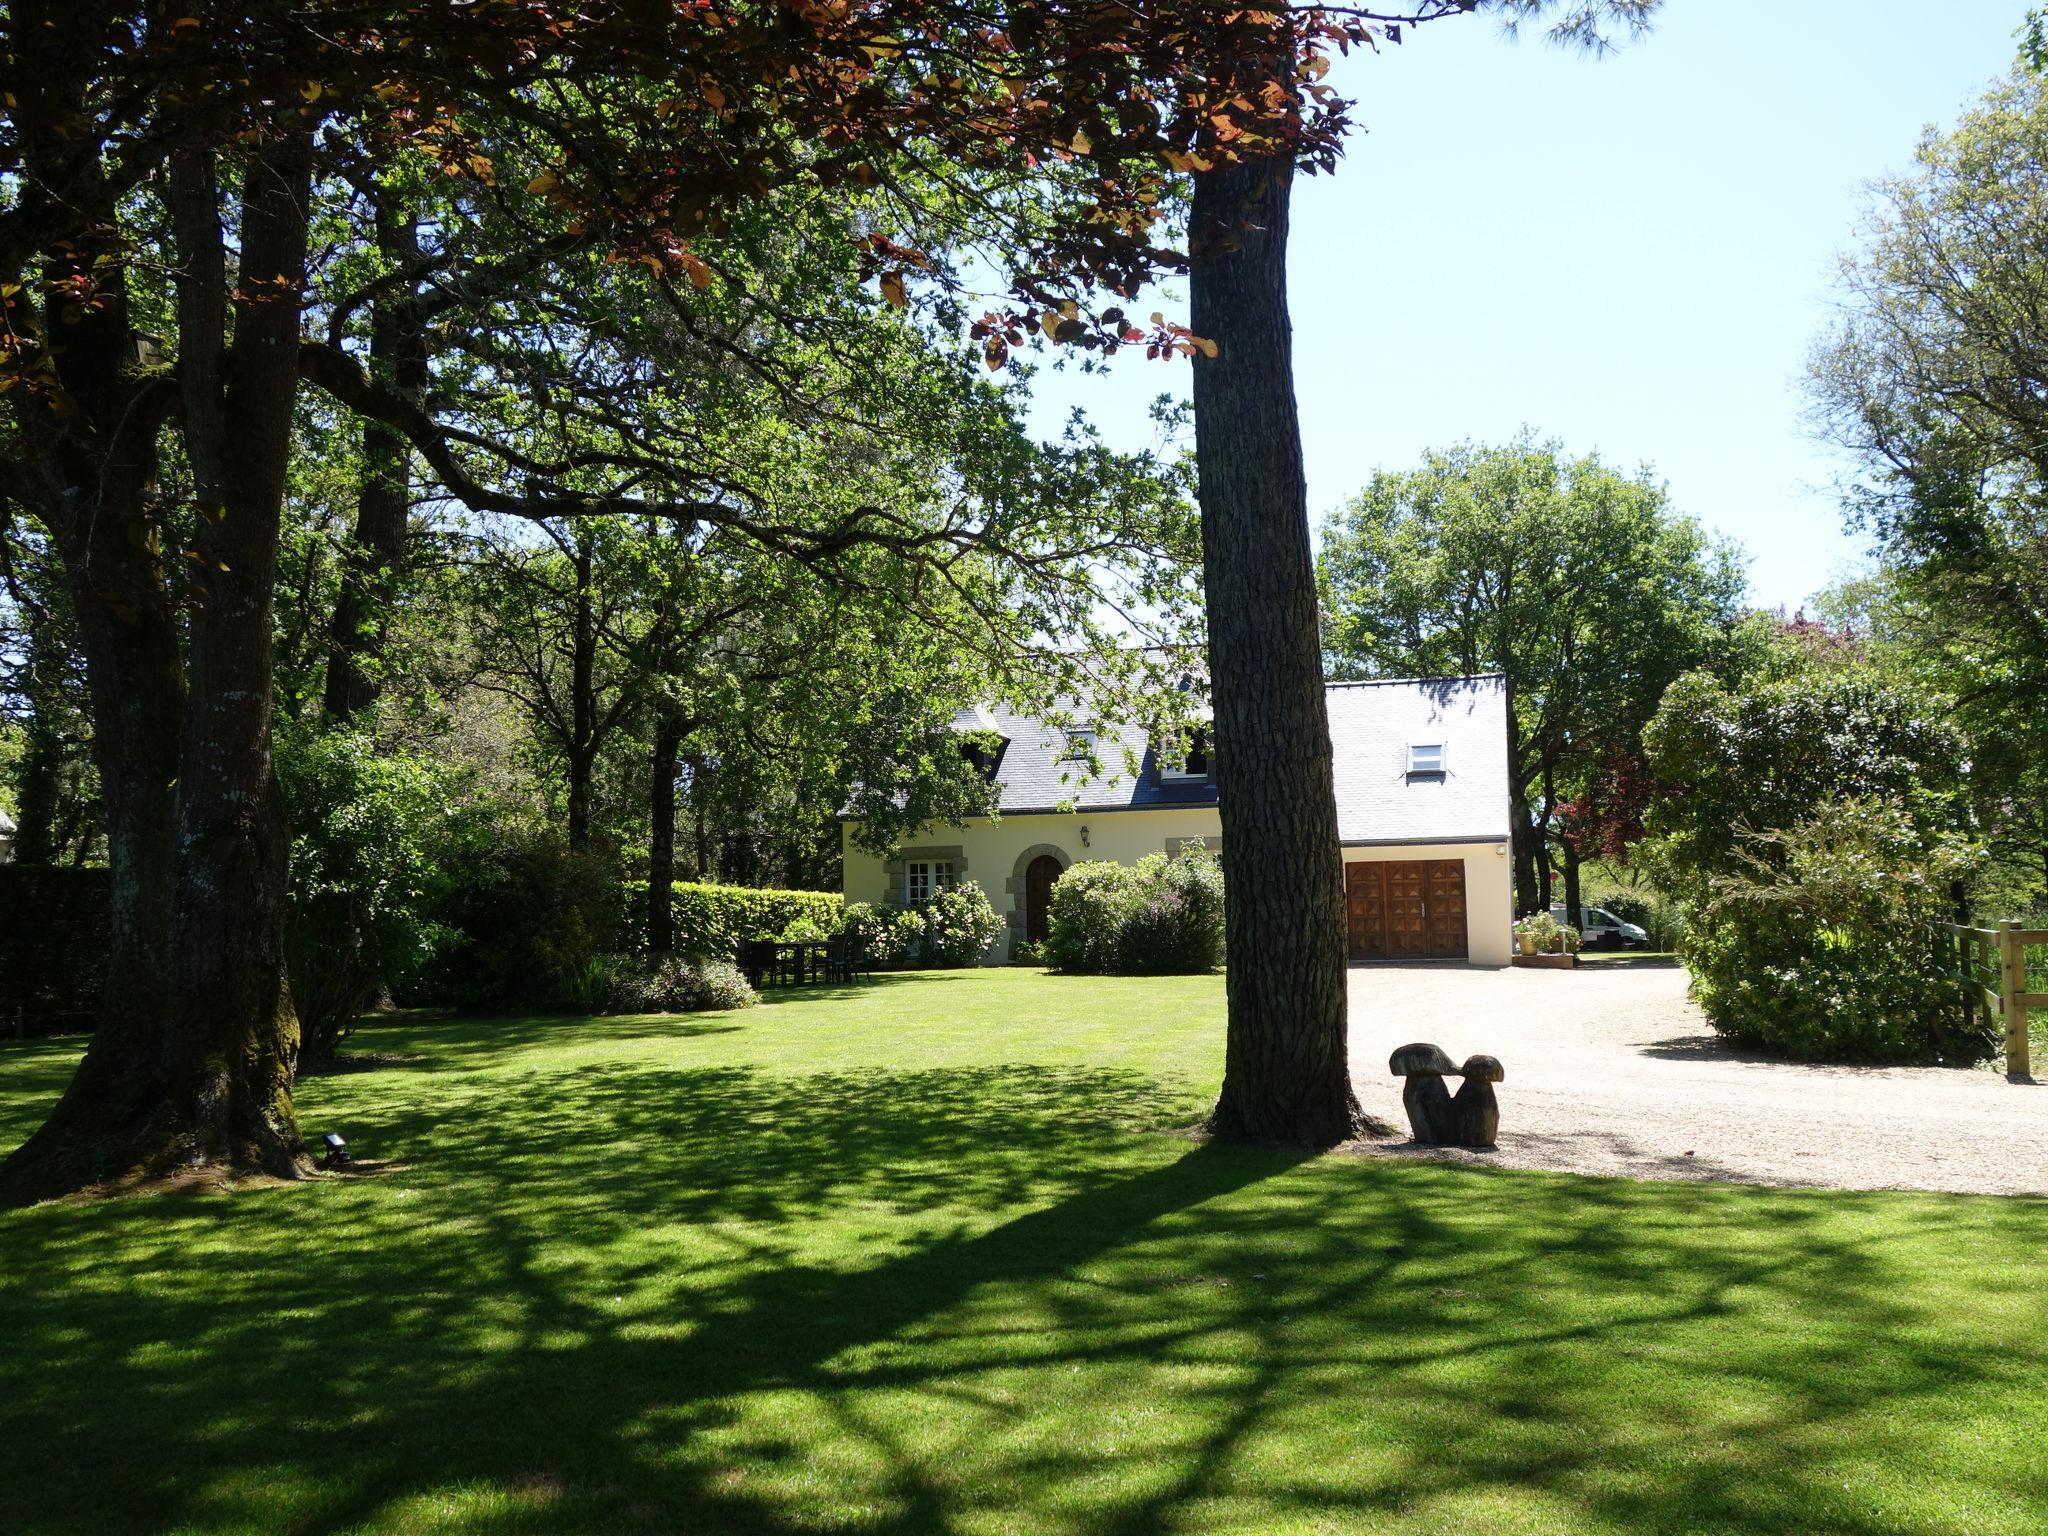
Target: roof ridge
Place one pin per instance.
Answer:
(1397, 682)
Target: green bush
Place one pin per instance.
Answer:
(1823, 946)
(1808, 824)
(872, 930)
(371, 830)
(604, 984)
(959, 926)
(1177, 926)
(624, 984)
(1085, 918)
(1024, 952)
(696, 986)
(955, 928)
(712, 920)
(527, 918)
(1161, 916)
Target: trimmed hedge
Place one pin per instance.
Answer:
(711, 920)
(55, 925)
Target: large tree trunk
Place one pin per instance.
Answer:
(1286, 1074)
(90, 472)
(707, 865)
(661, 841)
(1528, 881)
(368, 577)
(237, 1038)
(376, 552)
(108, 1121)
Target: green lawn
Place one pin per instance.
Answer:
(909, 1259)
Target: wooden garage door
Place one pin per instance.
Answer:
(1365, 910)
(1444, 899)
(1410, 909)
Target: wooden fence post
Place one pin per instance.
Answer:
(2012, 998)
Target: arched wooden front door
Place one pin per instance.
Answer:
(1039, 876)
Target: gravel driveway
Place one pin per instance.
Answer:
(1610, 1069)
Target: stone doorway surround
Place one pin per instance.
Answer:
(1014, 886)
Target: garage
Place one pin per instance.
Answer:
(1406, 909)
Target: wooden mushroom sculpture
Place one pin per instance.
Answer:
(1424, 1096)
(1475, 1110)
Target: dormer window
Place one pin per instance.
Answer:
(1193, 766)
(1425, 757)
(986, 757)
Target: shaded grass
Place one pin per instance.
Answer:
(904, 1258)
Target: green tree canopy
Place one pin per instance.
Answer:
(1931, 382)
(1579, 584)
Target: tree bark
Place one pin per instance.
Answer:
(661, 841)
(707, 867)
(237, 1039)
(107, 1121)
(1286, 1073)
(376, 551)
(1522, 829)
(89, 471)
(1574, 912)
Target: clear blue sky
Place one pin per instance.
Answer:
(1631, 254)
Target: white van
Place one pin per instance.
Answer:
(1603, 930)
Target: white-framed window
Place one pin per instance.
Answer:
(1426, 757)
(1193, 766)
(925, 878)
(1080, 742)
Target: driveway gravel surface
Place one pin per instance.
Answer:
(1612, 1070)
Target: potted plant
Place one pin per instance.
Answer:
(1533, 932)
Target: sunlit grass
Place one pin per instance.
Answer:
(915, 1259)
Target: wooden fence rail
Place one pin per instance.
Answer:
(1991, 970)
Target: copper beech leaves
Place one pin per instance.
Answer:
(655, 126)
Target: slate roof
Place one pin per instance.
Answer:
(1372, 726)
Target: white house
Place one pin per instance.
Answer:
(1422, 819)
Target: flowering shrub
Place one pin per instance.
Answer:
(1090, 904)
(955, 928)
(1163, 916)
(873, 931)
(959, 926)
(671, 985)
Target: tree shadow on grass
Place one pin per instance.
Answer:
(628, 1299)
